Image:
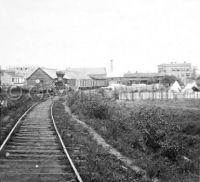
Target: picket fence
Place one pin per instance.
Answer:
(165, 95)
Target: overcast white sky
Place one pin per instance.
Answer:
(136, 34)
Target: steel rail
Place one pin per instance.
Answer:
(15, 126)
(64, 148)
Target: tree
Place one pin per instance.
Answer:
(198, 81)
(168, 80)
(194, 73)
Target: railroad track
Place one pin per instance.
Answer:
(35, 152)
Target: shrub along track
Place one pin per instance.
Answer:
(35, 152)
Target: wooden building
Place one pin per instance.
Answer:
(44, 78)
(146, 78)
(41, 79)
(92, 72)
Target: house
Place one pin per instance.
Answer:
(41, 78)
(6, 77)
(10, 78)
(24, 71)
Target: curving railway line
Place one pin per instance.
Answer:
(34, 151)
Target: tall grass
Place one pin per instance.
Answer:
(156, 141)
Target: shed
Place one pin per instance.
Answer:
(41, 78)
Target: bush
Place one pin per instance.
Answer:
(172, 151)
(91, 105)
(153, 126)
(96, 109)
(191, 129)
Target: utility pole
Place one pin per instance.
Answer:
(1, 100)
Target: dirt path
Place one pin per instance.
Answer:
(105, 145)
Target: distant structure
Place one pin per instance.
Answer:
(24, 71)
(183, 71)
(20, 73)
(111, 66)
(113, 76)
(142, 78)
(44, 78)
(92, 72)
(10, 78)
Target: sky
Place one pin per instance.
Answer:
(137, 34)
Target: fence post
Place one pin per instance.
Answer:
(1, 126)
(153, 94)
(167, 96)
(132, 95)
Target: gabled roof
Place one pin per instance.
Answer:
(68, 74)
(11, 73)
(98, 77)
(90, 71)
(42, 69)
(24, 73)
(50, 72)
(75, 75)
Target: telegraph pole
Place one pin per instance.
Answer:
(1, 100)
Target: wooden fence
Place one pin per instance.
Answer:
(159, 95)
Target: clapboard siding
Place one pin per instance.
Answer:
(45, 79)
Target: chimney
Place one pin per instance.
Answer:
(111, 66)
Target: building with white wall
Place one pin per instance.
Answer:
(10, 78)
(183, 71)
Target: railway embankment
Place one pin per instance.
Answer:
(100, 161)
